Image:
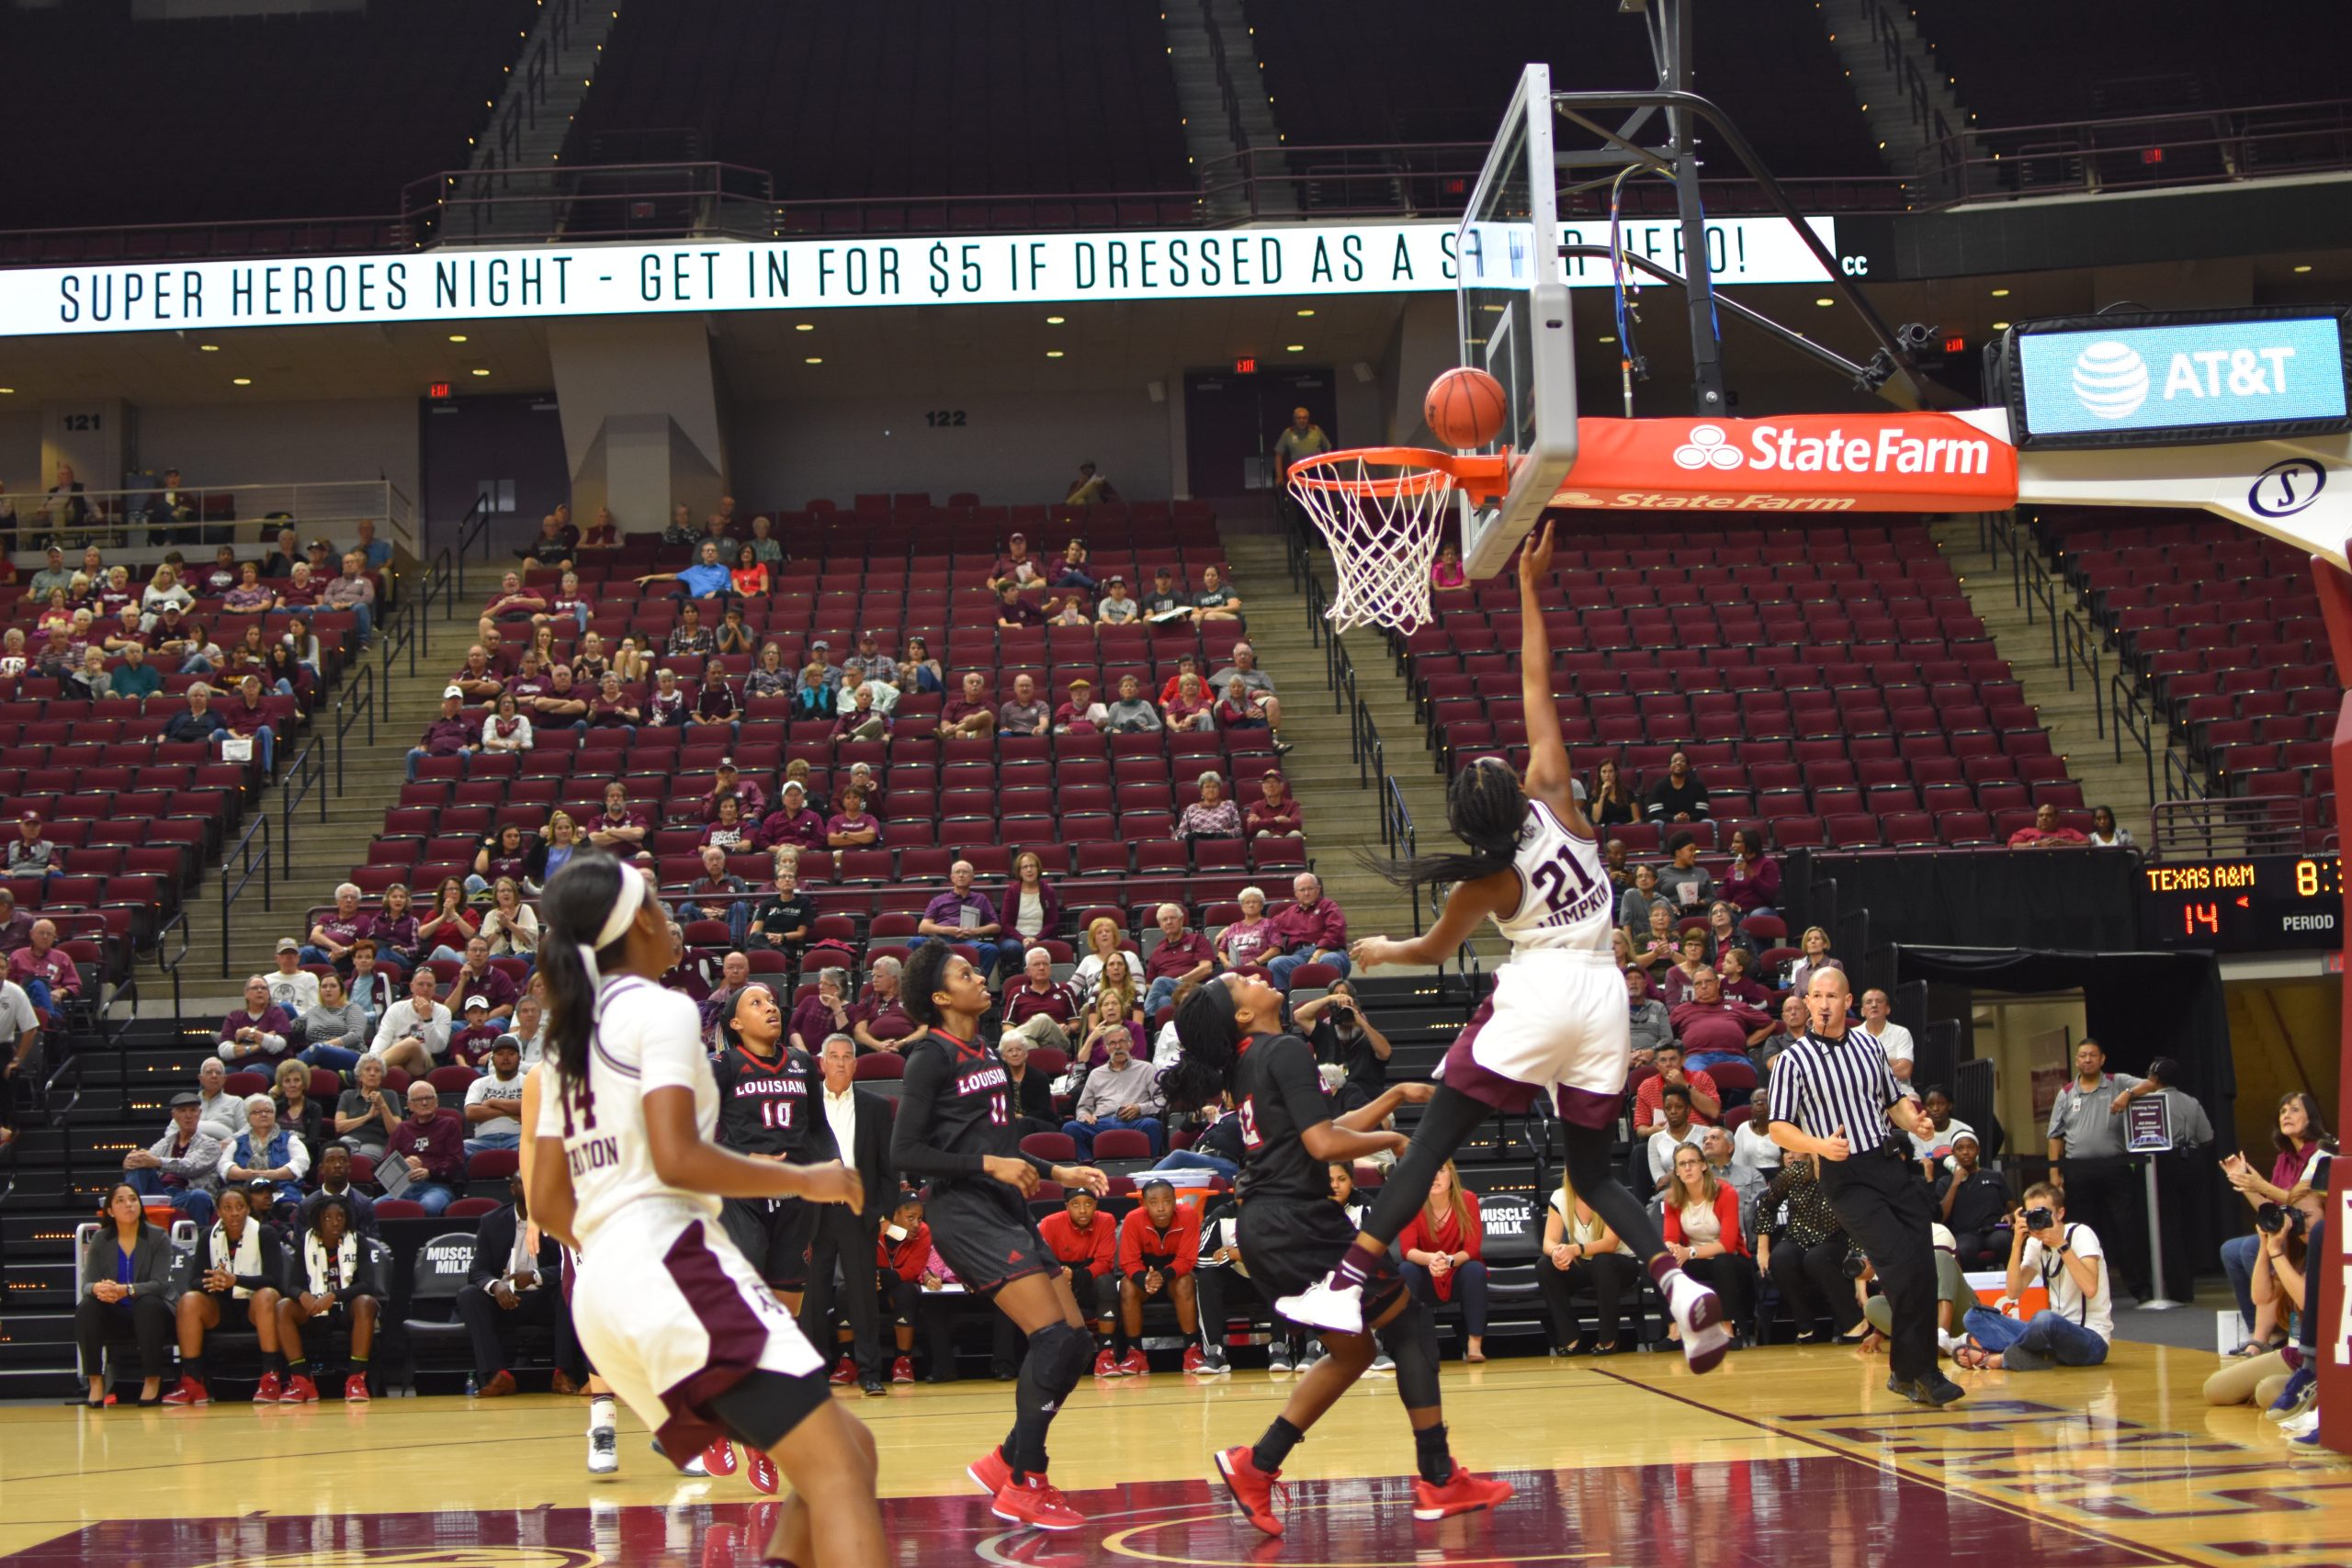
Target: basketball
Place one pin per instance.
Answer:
(1465, 408)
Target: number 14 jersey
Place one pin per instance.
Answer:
(1566, 900)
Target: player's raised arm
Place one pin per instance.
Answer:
(1547, 753)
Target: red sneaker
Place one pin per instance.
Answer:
(903, 1370)
(354, 1389)
(990, 1473)
(1464, 1494)
(762, 1471)
(189, 1391)
(299, 1389)
(846, 1373)
(271, 1389)
(1035, 1503)
(1106, 1363)
(719, 1458)
(1191, 1358)
(1132, 1364)
(1254, 1489)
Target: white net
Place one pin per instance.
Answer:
(1382, 512)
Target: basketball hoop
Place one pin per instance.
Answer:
(1381, 510)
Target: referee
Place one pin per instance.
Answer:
(1833, 1095)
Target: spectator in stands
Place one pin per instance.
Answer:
(280, 561)
(1675, 980)
(1245, 943)
(1723, 935)
(1805, 1255)
(369, 991)
(1974, 1202)
(1889, 1035)
(353, 589)
(31, 852)
(1344, 1036)
(1015, 610)
(919, 672)
(1182, 954)
(1815, 957)
(57, 658)
(91, 680)
(792, 822)
(729, 780)
(2105, 834)
(1580, 1252)
(1025, 714)
(266, 1157)
(1039, 1011)
(962, 915)
(500, 854)
(442, 935)
(297, 1112)
(248, 716)
(1684, 880)
(1123, 1092)
(414, 1032)
(1441, 1255)
(851, 828)
(2046, 832)
(334, 1278)
(1103, 939)
(1737, 968)
(1647, 1016)
(53, 575)
(1131, 715)
(431, 1143)
(621, 830)
(1634, 905)
(2068, 1261)
(14, 661)
(1216, 601)
(15, 925)
(1117, 607)
(334, 1027)
(393, 927)
(864, 721)
(480, 678)
(1118, 1004)
(448, 736)
(689, 638)
(1312, 931)
(186, 645)
(1275, 814)
(1678, 796)
(365, 1115)
(1702, 1232)
(1673, 1129)
(223, 1112)
(707, 579)
(237, 1271)
(1262, 703)
(733, 832)
(294, 988)
(124, 1281)
(45, 971)
(1029, 908)
(123, 632)
(1032, 1092)
(495, 1100)
(1612, 802)
(1081, 715)
(1017, 566)
(769, 678)
(135, 677)
(717, 894)
(258, 1029)
(1213, 815)
(1751, 1144)
(1190, 708)
(1160, 1245)
(668, 706)
(969, 716)
(1752, 880)
(1746, 1179)
(1704, 1099)
(251, 596)
(612, 708)
(1712, 1028)
(508, 728)
(183, 1167)
(826, 1013)
(881, 1019)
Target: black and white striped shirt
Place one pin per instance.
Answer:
(1821, 1085)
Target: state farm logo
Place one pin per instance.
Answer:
(1707, 448)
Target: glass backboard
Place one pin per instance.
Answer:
(1513, 317)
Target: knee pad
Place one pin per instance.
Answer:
(1060, 1354)
(1410, 1340)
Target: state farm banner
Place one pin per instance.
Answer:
(1822, 462)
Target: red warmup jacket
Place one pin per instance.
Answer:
(905, 1259)
(1095, 1248)
(1143, 1245)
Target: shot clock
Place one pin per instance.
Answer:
(2250, 904)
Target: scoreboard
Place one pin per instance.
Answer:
(2243, 904)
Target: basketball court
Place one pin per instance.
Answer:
(1782, 1455)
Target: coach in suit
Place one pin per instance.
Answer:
(858, 1122)
(507, 1286)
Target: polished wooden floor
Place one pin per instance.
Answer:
(1786, 1455)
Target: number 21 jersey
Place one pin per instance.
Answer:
(1566, 900)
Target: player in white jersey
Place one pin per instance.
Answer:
(625, 1173)
(1556, 1022)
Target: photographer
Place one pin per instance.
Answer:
(1334, 1024)
(2074, 1329)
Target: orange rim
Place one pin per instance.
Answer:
(1417, 471)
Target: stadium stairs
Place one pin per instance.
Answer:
(2072, 717)
(1866, 34)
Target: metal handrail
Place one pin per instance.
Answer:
(354, 702)
(2202, 830)
(167, 961)
(242, 860)
(2136, 720)
(2083, 650)
(400, 631)
(2180, 782)
(1227, 92)
(474, 525)
(306, 775)
(520, 111)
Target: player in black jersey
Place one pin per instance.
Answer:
(956, 1126)
(1292, 1232)
(767, 1105)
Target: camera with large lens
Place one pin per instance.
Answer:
(2039, 1219)
(1854, 1264)
(2276, 1219)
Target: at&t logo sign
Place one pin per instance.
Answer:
(2111, 380)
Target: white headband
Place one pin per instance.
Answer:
(625, 906)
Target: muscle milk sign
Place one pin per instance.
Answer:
(1908, 462)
